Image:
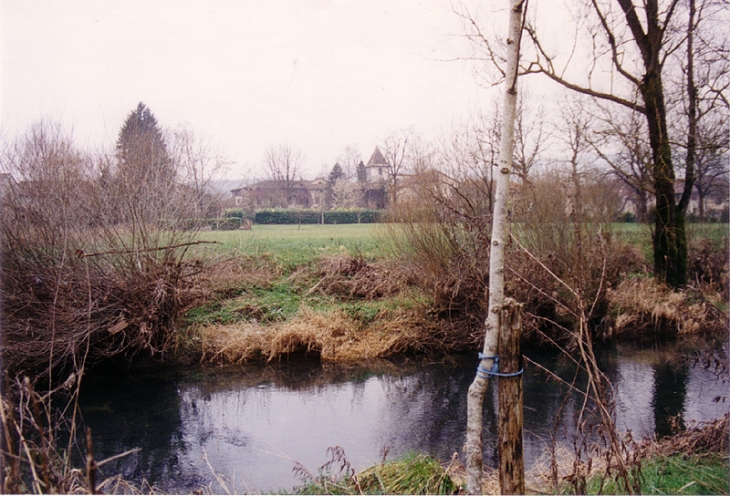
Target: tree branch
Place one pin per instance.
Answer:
(550, 72)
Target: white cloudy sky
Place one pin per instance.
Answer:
(317, 74)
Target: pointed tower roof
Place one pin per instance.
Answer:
(377, 158)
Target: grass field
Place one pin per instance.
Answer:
(293, 245)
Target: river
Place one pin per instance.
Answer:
(247, 426)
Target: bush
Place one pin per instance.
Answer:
(215, 224)
(447, 241)
(626, 217)
(93, 264)
(231, 213)
(309, 216)
(238, 213)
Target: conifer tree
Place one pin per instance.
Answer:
(141, 148)
(145, 171)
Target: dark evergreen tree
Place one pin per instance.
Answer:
(362, 180)
(141, 148)
(335, 175)
(145, 171)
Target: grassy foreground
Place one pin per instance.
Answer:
(677, 474)
(295, 245)
(422, 474)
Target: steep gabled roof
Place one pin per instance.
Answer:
(377, 158)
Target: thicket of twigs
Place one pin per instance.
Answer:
(93, 253)
(561, 237)
(41, 448)
(93, 266)
(553, 237)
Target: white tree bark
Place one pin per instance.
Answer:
(478, 388)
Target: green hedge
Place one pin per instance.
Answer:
(238, 213)
(308, 216)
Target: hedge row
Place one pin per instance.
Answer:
(238, 213)
(308, 216)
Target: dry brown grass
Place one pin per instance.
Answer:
(346, 277)
(540, 478)
(334, 336)
(707, 437)
(644, 305)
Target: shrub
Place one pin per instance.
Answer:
(309, 216)
(93, 264)
(555, 237)
(230, 213)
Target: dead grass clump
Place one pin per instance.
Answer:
(231, 343)
(559, 465)
(643, 305)
(707, 437)
(352, 277)
(333, 336)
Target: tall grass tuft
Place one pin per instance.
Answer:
(412, 474)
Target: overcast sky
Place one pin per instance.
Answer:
(317, 74)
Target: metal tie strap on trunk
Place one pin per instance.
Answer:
(494, 372)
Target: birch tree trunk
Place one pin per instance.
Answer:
(475, 400)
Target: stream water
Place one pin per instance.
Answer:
(250, 425)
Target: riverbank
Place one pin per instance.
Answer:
(695, 461)
(345, 293)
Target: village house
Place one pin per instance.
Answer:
(273, 194)
(311, 194)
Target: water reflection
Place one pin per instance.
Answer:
(251, 424)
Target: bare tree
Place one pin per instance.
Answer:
(705, 79)
(468, 156)
(711, 164)
(349, 160)
(496, 258)
(530, 136)
(283, 164)
(197, 161)
(396, 149)
(621, 143)
(636, 41)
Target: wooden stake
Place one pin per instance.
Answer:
(511, 462)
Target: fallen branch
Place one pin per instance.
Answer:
(82, 254)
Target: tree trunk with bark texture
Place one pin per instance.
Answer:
(511, 461)
(475, 398)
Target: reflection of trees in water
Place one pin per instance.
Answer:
(670, 391)
(296, 375)
(422, 407)
(427, 411)
(128, 410)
